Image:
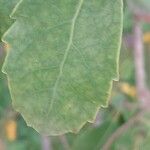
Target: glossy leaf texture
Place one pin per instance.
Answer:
(62, 59)
(6, 7)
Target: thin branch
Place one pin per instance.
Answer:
(142, 90)
(98, 121)
(121, 130)
(139, 56)
(46, 143)
(64, 142)
(2, 145)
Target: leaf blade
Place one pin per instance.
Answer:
(62, 84)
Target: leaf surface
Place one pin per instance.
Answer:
(62, 59)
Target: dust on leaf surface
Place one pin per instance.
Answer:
(62, 59)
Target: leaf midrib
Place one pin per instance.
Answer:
(65, 55)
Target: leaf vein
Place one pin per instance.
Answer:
(65, 55)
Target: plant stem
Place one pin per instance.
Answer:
(46, 143)
(64, 142)
(121, 130)
(2, 145)
(142, 90)
(139, 57)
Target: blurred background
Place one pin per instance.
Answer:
(124, 125)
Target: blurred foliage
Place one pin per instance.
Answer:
(142, 4)
(16, 135)
(95, 137)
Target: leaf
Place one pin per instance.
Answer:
(6, 6)
(62, 58)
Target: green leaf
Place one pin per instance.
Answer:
(6, 7)
(62, 59)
